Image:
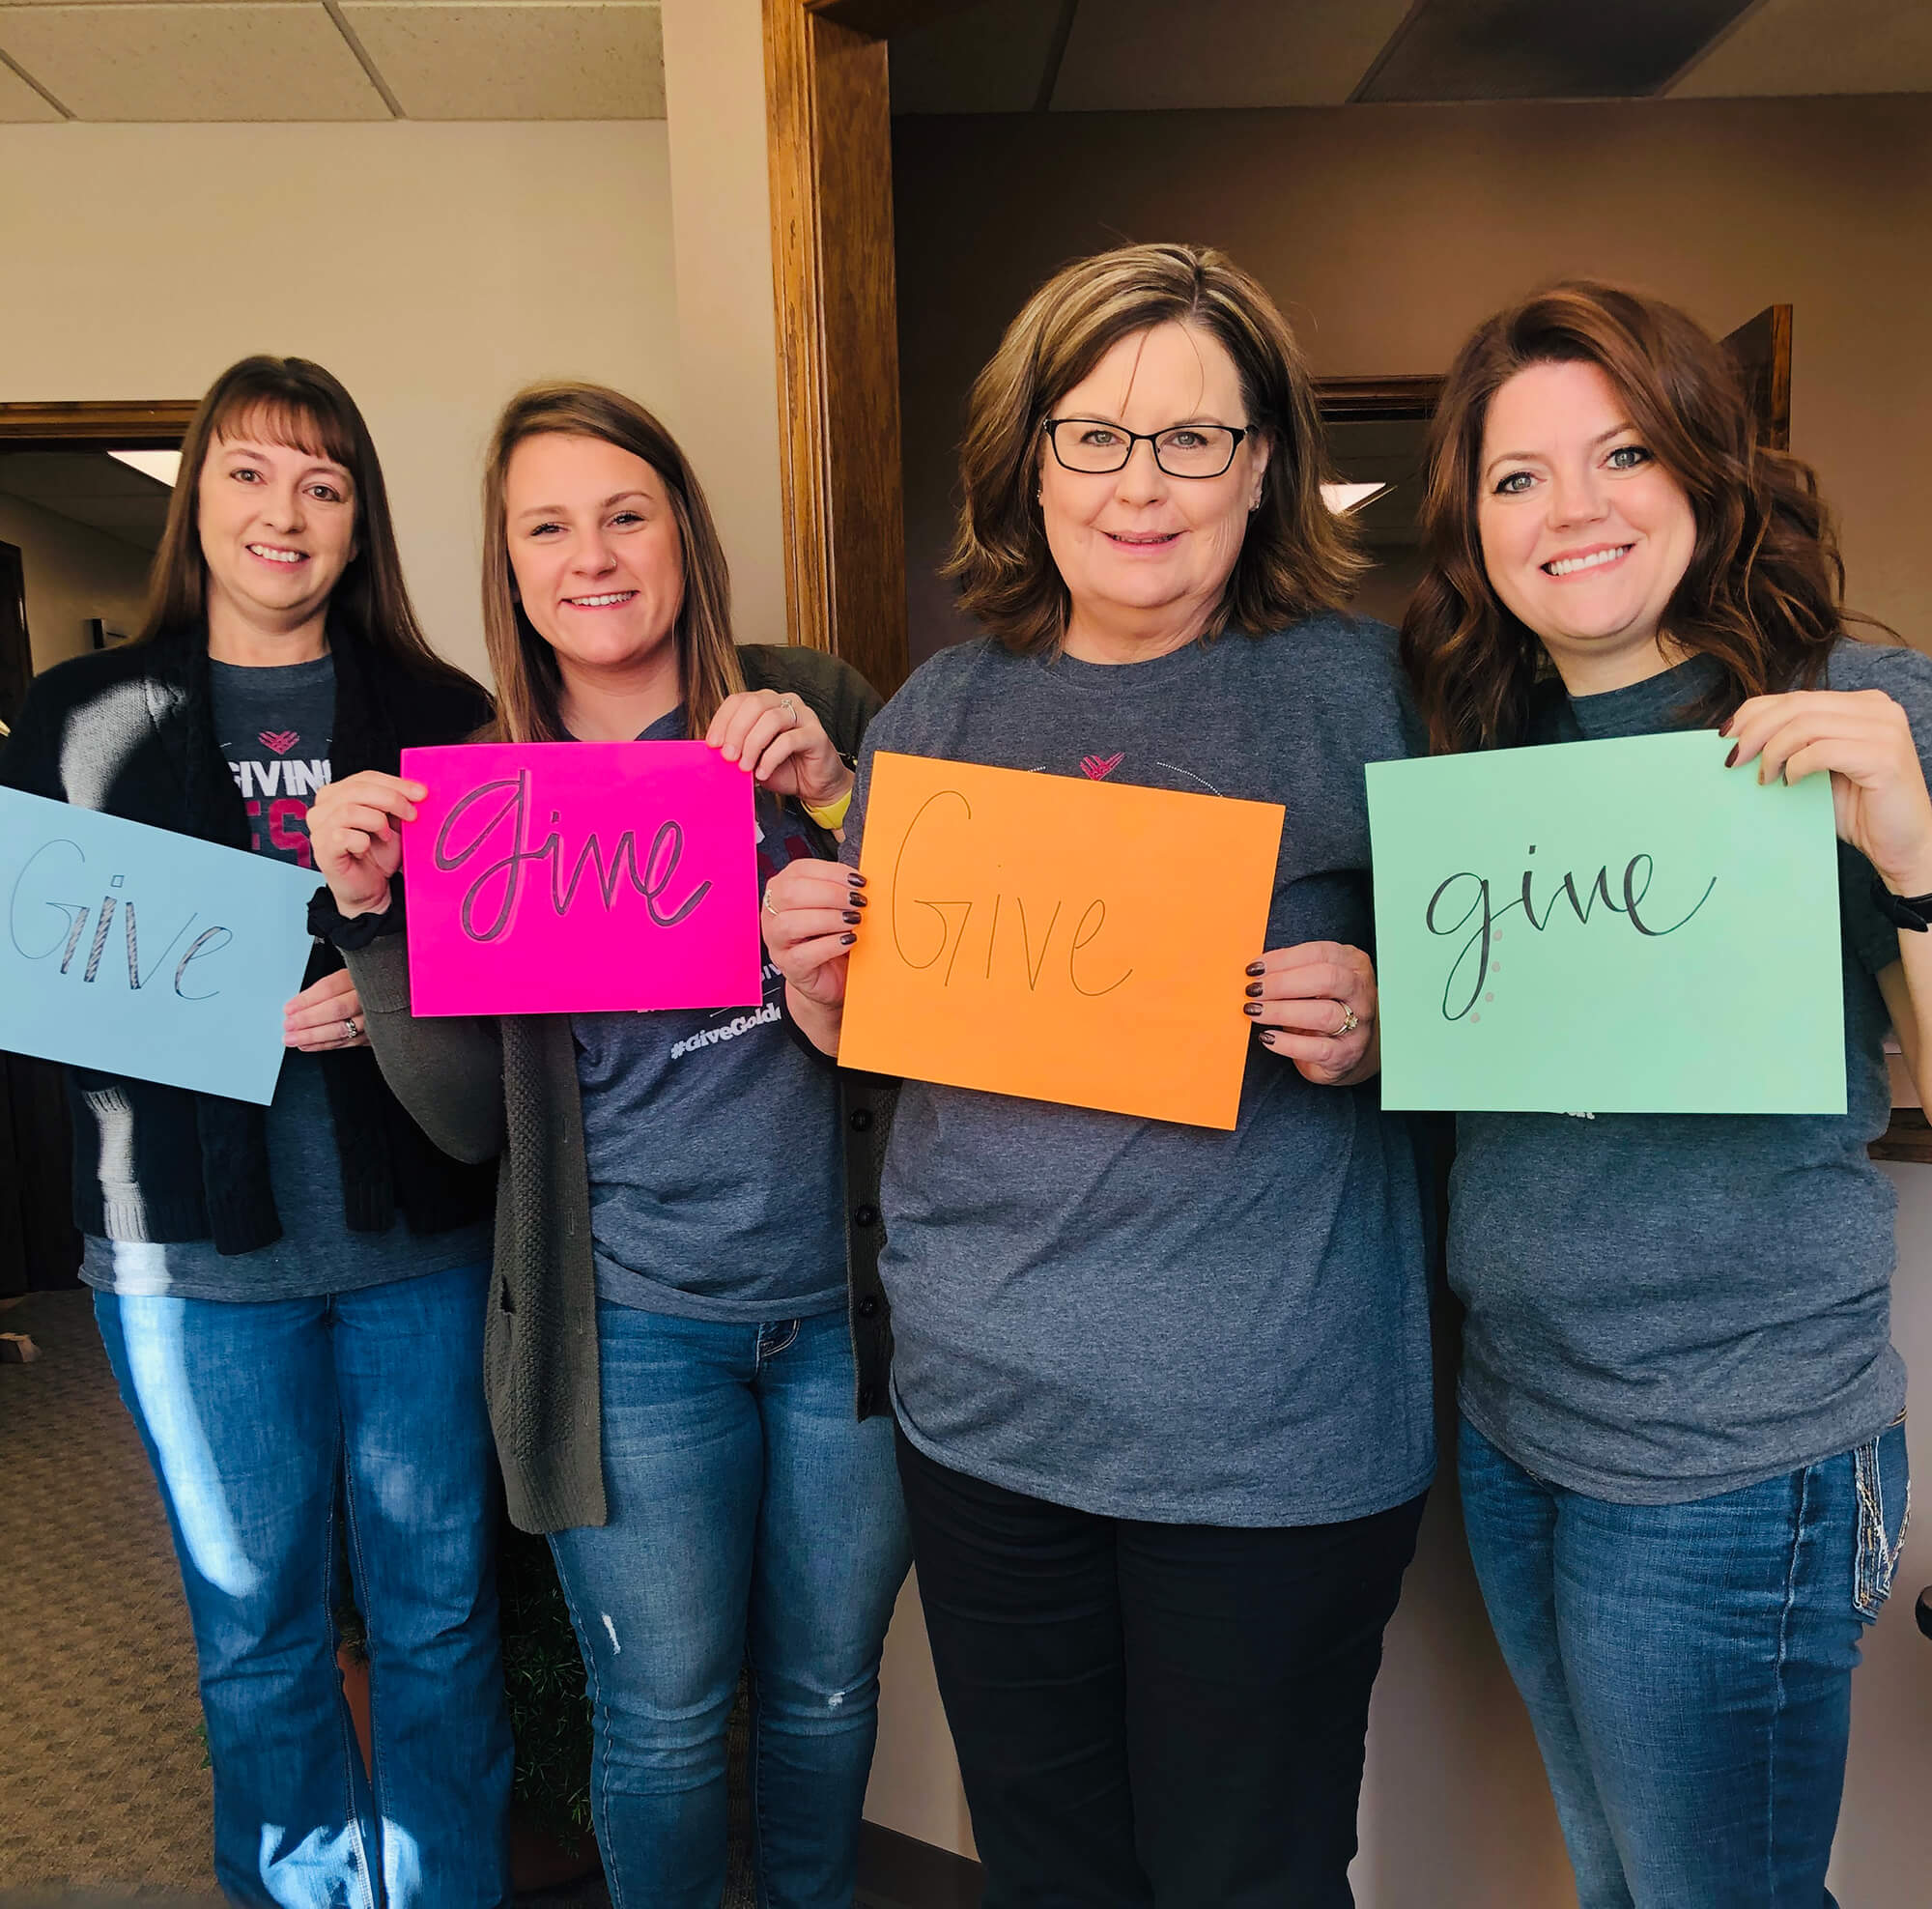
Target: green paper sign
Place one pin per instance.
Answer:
(1621, 926)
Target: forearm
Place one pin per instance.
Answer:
(446, 1071)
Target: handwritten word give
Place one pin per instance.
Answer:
(1470, 970)
(922, 939)
(43, 923)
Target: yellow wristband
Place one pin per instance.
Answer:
(833, 815)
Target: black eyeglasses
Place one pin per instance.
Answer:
(1092, 446)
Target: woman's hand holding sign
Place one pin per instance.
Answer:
(353, 832)
(811, 918)
(325, 1016)
(779, 740)
(1316, 1003)
(1878, 786)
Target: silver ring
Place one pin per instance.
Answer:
(1349, 1022)
(790, 709)
(769, 909)
(351, 1029)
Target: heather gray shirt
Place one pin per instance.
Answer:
(713, 1144)
(273, 727)
(1132, 1317)
(1667, 1306)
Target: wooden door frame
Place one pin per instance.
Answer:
(122, 424)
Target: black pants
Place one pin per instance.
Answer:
(1153, 1714)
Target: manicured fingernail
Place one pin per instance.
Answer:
(1257, 968)
(1731, 760)
(1268, 1037)
(848, 939)
(853, 876)
(859, 900)
(853, 916)
(1254, 987)
(1725, 728)
(1253, 1008)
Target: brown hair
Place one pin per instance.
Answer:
(292, 402)
(1763, 593)
(529, 685)
(1298, 557)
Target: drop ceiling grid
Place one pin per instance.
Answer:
(266, 60)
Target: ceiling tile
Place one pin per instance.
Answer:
(990, 59)
(1125, 55)
(19, 102)
(1792, 46)
(519, 60)
(170, 62)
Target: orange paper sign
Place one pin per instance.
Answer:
(1072, 941)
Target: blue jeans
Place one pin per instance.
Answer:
(261, 1420)
(753, 1520)
(1687, 1667)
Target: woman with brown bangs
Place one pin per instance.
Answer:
(291, 1298)
(686, 1347)
(1683, 1453)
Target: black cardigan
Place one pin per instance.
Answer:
(131, 731)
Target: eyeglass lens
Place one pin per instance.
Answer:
(1187, 450)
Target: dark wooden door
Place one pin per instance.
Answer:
(16, 656)
(1762, 347)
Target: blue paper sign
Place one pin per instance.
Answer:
(134, 951)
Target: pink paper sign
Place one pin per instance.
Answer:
(549, 878)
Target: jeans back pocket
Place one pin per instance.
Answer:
(1885, 1504)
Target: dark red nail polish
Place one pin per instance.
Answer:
(1731, 760)
(853, 876)
(848, 939)
(853, 916)
(1268, 1037)
(1725, 728)
(1256, 967)
(859, 900)
(1252, 1008)
(1254, 987)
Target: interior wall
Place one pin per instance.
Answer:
(72, 573)
(433, 267)
(1387, 233)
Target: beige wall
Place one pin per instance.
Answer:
(433, 268)
(1387, 232)
(72, 573)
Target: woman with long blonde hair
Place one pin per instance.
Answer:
(687, 1339)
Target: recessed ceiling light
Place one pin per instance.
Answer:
(163, 467)
(1341, 499)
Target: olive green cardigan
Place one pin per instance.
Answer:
(505, 1089)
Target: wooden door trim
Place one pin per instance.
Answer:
(829, 131)
(1408, 397)
(123, 424)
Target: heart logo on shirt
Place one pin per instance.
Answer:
(281, 741)
(1098, 767)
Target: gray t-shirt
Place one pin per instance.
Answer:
(273, 727)
(713, 1144)
(1132, 1316)
(1667, 1306)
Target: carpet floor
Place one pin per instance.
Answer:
(105, 1790)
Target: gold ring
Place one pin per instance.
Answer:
(1349, 1022)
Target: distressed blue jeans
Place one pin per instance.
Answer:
(263, 1424)
(753, 1520)
(1688, 1667)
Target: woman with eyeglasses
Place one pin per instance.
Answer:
(686, 1347)
(1163, 1392)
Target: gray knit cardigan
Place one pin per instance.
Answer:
(505, 1089)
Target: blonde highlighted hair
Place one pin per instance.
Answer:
(529, 685)
(1298, 557)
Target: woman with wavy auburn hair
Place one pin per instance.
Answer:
(1682, 1452)
(1163, 1393)
(686, 1347)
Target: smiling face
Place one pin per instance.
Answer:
(1145, 556)
(277, 527)
(595, 552)
(1585, 536)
